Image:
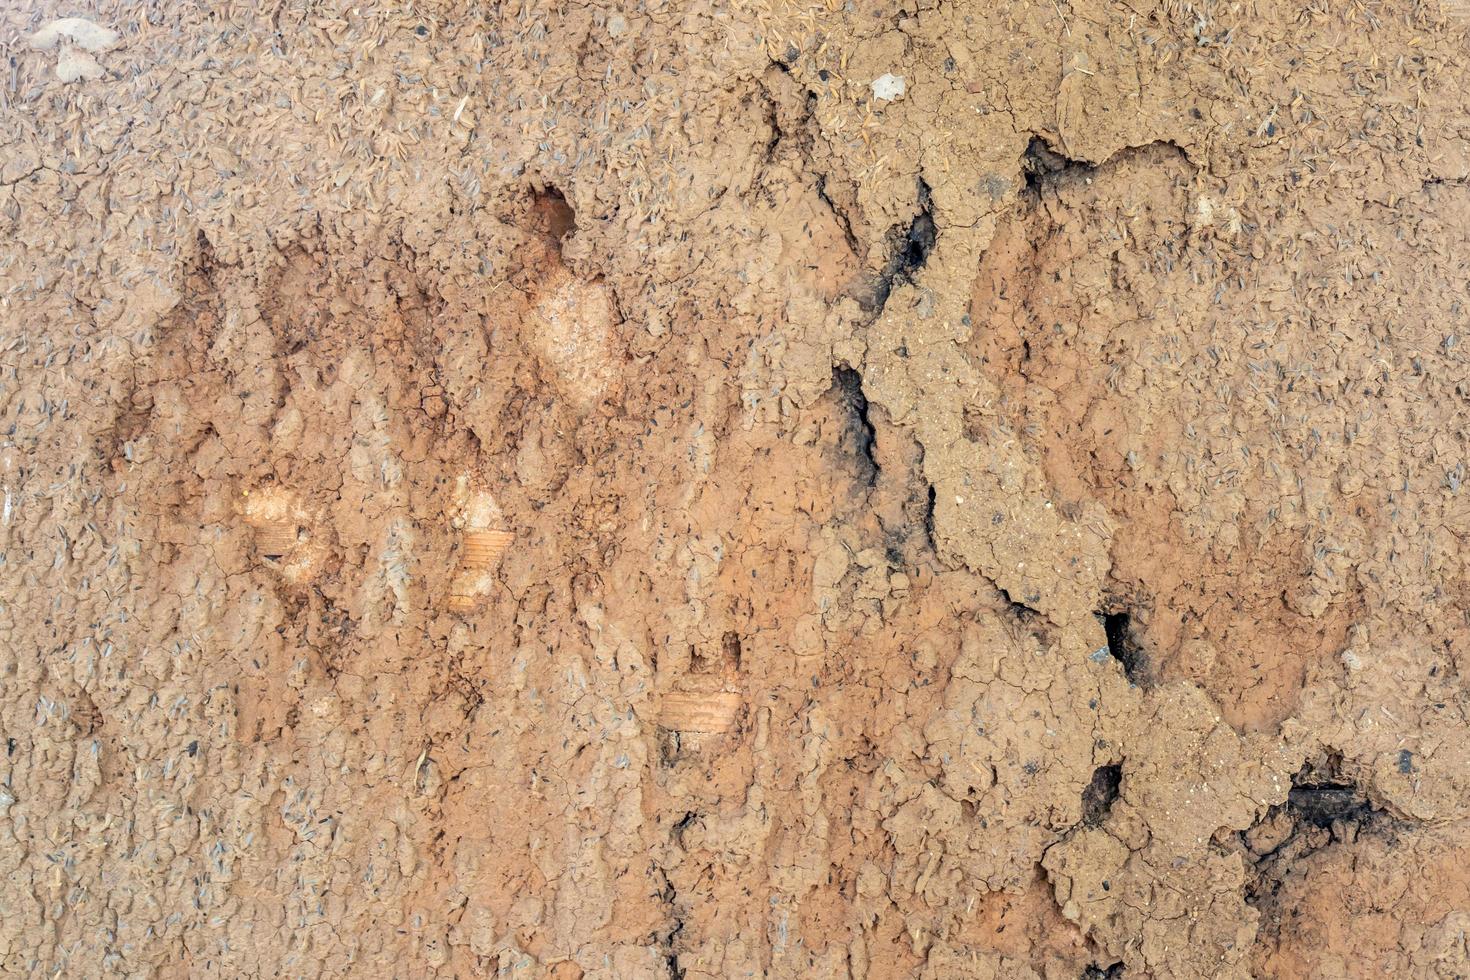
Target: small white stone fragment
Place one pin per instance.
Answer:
(889, 87)
(617, 25)
(73, 64)
(83, 33)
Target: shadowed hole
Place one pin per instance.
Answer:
(1123, 646)
(1099, 794)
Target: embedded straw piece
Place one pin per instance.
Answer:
(698, 712)
(275, 538)
(276, 516)
(481, 550)
(462, 603)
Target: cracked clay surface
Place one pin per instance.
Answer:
(735, 489)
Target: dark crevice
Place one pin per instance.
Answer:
(842, 219)
(1261, 894)
(670, 747)
(858, 436)
(702, 662)
(773, 119)
(731, 648)
(555, 215)
(1020, 610)
(1321, 799)
(911, 249)
(929, 520)
(670, 897)
(1095, 972)
(1169, 145)
(1445, 182)
(1041, 164)
(724, 661)
(677, 832)
(919, 241)
(1124, 647)
(1099, 794)
(1322, 808)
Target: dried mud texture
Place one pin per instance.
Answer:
(704, 490)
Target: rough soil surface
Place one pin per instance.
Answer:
(705, 489)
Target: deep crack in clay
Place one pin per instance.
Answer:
(700, 490)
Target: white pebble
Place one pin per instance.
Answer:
(73, 64)
(889, 87)
(84, 33)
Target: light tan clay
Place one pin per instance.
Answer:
(797, 489)
(695, 712)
